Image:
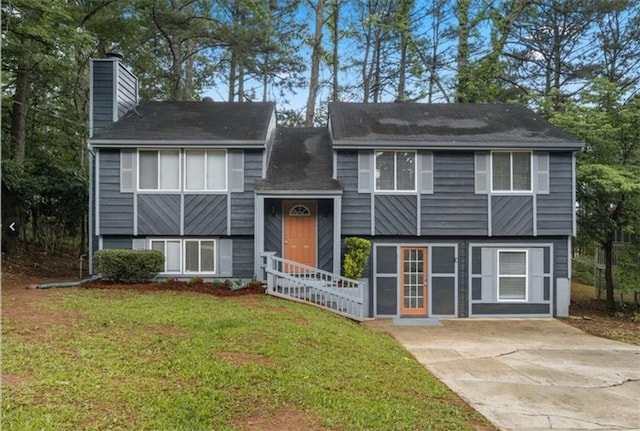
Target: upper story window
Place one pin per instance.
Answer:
(159, 170)
(205, 170)
(395, 170)
(511, 171)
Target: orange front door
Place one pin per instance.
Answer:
(413, 281)
(300, 232)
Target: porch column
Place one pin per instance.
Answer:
(337, 233)
(258, 233)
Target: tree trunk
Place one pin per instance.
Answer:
(608, 274)
(265, 78)
(336, 39)
(232, 76)
(315, 64)
(402, 95)
(462, 87)
(19, 115)
(240, 82)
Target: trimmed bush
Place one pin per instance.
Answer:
(129, 266)
(355, 257)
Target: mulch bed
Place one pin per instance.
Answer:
(216, 289)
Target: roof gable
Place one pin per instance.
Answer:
(451, 125)
(198, 122)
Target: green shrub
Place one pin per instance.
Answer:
(356, 256)
(582, 270)
(129, 266)
(194, 281)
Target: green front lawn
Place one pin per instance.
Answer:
(179, 361)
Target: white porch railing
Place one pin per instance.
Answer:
(298, 282)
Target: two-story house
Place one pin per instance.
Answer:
(470, 208)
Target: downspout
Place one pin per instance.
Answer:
(92, 157)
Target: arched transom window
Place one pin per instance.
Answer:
(300, 211)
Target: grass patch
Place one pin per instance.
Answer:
(131, 360)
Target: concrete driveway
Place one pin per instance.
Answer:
(531, 374)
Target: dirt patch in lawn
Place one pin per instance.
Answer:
(590, 314)
(278, 418)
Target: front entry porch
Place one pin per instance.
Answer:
(301, 228)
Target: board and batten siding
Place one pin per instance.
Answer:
(512, 215)
(115, 208)
(396, 215)
(158, 214)
(356, 207)
(205, 214)
(453, 208)
(242, 203)
(555, 210)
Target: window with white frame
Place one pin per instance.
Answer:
(512, 275)
(196, 256)
(199, 256)
(159, 170)
(172, 251)
(395, 170)
(205, 170)
(511, 171)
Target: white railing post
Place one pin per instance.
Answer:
(269, 268)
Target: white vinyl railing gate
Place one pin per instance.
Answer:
(302, 283)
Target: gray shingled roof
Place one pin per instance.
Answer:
(453, 125)
(184, 121)
(301, 160)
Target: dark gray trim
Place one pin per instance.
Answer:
(509, 309)
(134, 143)
(343, 144)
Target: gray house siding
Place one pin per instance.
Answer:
(463, 286)
(117, 242)
(356, 207)
(273, 226)
(325, 235)
(396, 214)
(107, 74)
(561, 258)
(541, 277)
(127, 95)
(242, 204)
(243, 258)
(115, 208)
(453, 208)
(205, 214)
(512, 215)
(555, 210)
(103, 78)
(159, 214)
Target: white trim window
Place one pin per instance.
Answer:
(159, 170)
(511, 171)
(172, 251)
(513, 277)
(200, 256)
(395, 171)
(187, 256)
(205, 170)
